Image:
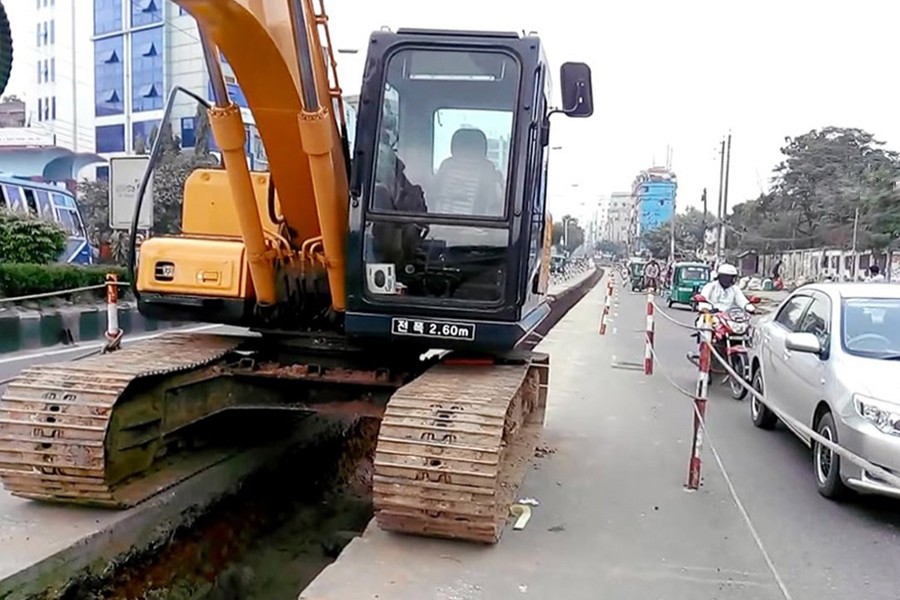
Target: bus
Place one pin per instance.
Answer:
(52, 203)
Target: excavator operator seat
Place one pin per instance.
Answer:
(467, 182)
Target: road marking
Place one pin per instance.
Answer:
(746, 516)
(94, 346)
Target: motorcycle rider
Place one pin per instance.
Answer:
(721, 295)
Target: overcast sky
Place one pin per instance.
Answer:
(673, 72)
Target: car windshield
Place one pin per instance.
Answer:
(871, 327)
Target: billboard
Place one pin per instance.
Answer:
(125, 174)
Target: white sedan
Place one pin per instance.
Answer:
(829, 357)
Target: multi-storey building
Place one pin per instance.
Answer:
(618, 217)
(654, 191)
(62, 79)
(142, 48)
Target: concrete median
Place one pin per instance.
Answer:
(31, 329)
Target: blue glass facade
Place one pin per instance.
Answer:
(147, 69)
(129, 49)
(656, 202)
(109, 76)
(145, 12)
(107, 16)
(111, 138)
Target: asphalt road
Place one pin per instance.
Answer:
(820, 549)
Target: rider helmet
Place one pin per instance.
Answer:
(726, 274)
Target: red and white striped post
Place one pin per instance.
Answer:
(113, 333)
(606, 304)
(648, 344)
(700, 404)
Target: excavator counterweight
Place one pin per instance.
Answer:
(405, 286)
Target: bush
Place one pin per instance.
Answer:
(27, 279)
(27, 239)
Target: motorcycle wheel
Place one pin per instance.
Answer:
(738, 390)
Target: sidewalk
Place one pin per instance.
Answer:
(614, 520)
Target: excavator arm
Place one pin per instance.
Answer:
(275, 50)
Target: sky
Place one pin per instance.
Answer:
(668, 73)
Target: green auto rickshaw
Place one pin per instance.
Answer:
(636, 268)
(686, 280)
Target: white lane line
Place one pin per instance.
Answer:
(93, 346)
(746, 516)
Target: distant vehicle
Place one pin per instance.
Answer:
(686, 280)
(53, 204)
(830, 358)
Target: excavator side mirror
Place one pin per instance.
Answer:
(577, 93)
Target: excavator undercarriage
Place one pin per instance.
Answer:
(115, 429)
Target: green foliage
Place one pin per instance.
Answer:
(576, 233)
(26, 279)
(689, 229)
(825, 176)
(24, 238)
(610, 247)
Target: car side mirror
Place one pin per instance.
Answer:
(803, 342)
(577, 92)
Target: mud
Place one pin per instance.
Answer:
(266, 542)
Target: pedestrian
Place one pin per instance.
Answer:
(875, 275)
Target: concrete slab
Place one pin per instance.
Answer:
(614, 520)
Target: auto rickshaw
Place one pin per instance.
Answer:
(636, 268)
(687, 279)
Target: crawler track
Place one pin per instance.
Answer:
(60, 439)
(453, 448)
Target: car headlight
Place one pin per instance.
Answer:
(883, 415)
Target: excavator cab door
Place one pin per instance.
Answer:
(447, 191)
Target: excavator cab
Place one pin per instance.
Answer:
(448, 188)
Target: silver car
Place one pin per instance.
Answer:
(829, 357)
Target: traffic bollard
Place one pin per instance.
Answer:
(605, 314)
(113, 332)
(648, 342)
(700, 403)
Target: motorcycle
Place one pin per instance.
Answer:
(731, 339)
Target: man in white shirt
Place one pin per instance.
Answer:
(875, 275)
(722, 294)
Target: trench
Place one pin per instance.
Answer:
(267, 541)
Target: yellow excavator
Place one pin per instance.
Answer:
(349, 266)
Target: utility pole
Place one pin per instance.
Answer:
(721, 189)
(853, 271)
(672, 239)
(725, 196)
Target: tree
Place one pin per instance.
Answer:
(575, 237)
(28, 239)
(825, 176)
(689, 230)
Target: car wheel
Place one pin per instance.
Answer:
(827, 464)
(761, 416)
(738, 389)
